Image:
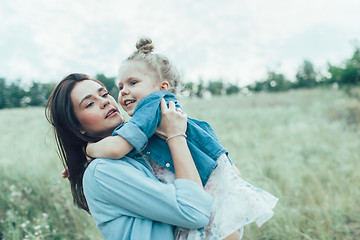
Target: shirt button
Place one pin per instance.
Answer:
(148, 153)
(167, 165)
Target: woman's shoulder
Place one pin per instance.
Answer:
(102, 175)
(125, 166)
(105, 163)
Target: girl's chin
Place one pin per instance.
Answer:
(130, 112)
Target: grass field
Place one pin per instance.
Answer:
(301, 146)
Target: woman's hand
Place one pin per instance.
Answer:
(65, 173)
(173, 125)
(173, 121)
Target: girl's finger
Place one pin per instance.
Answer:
(163, 106)
(65, 173)
(171, 106)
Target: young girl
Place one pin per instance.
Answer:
(144, 79)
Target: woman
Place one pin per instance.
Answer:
(123, 196)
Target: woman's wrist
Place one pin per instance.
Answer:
(181, 134)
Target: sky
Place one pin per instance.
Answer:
(238, 41)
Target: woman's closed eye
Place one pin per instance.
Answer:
(105, 94)
(89, 104)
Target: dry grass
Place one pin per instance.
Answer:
(302, 146)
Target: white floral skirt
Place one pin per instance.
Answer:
(236, 202)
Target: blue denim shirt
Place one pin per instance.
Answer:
(203, 143)
(127, 201)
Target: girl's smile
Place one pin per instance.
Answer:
(136, 81)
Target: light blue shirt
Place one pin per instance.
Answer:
(127, 201)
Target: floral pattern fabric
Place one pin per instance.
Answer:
(236, 202)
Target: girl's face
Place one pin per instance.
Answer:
(136, 81)
(95, 109)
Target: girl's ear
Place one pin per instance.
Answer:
(164, 85)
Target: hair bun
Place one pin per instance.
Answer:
(145, 45)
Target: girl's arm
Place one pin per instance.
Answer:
(133, 134)
(113, 147)
(145, 120)
(184, 203)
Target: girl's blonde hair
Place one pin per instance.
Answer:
(159, 63)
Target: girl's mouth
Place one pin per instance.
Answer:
(127, 102)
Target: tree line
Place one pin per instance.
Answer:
(346, 75)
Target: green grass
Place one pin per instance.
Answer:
(301, 146)
(35, 203)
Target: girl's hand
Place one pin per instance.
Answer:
(173, 121)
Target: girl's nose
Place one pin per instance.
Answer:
(124, 91)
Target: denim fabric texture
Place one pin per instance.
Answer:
(203, 143)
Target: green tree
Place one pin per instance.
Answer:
(109, 84)
(2, 93)
(232, 89)
(335, 73)
(36, 94)
(257, 86)
(47, 89)
(200, 89)
(306, 76)
(215, 87)
(349, 74)
(15, 95)
(189, 88)
(276, 82)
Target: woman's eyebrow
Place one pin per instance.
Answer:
(90, 95)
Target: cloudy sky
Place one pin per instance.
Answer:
(238, 40)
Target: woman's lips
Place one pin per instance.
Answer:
(112, 112)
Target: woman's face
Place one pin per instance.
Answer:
(95, 109)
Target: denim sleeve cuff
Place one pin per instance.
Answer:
(132, 133)
(186, 192)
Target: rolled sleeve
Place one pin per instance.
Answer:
(132, 190)
(194, 201)
(133, 134)
(145, 120)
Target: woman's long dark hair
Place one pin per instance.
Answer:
(70, 142)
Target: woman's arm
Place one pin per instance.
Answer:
(130, 187)
(117, 188)
(173, 123)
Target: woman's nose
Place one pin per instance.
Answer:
(105, 102)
